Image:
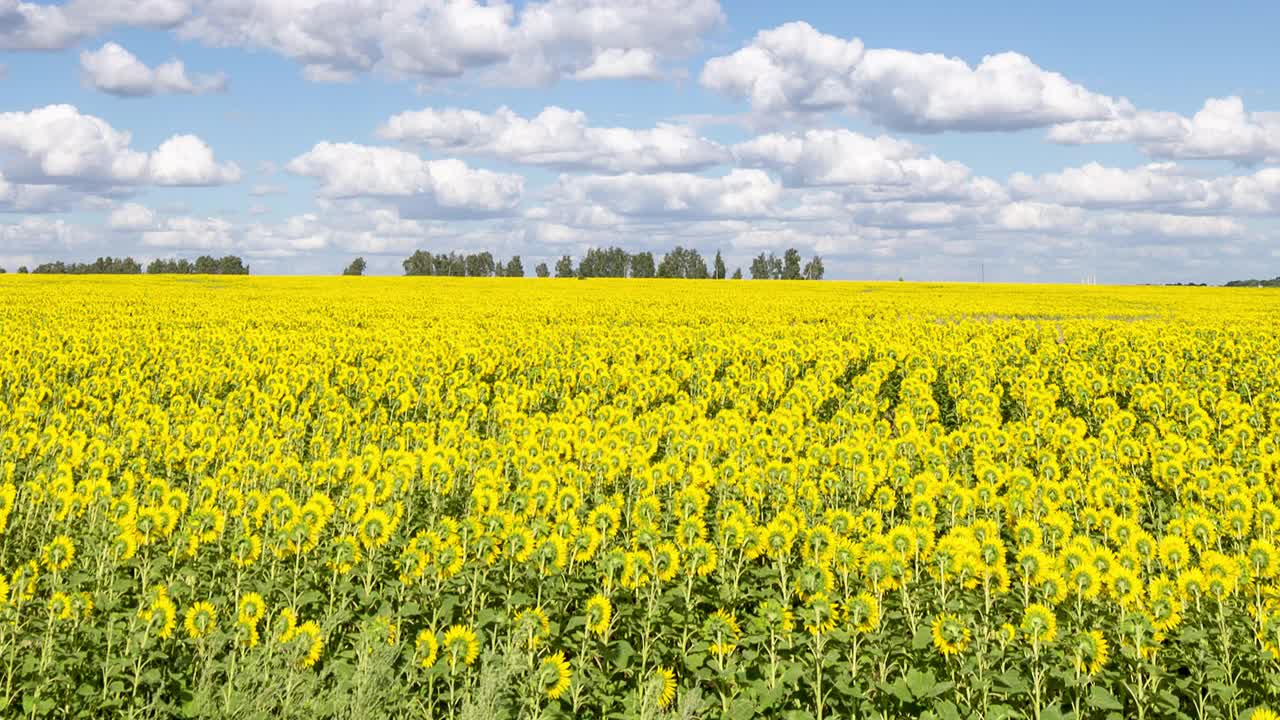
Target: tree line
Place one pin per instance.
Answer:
(612, 262)
(203, 265)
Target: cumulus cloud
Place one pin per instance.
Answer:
(882, 167)
(38, 26)
(1158, 186)
(336, 40)
(619, 64)
(58, 145)
(417, 186)
(114, 70)
(131, 217)
(1221, 130)
(794, 70)
(556, 138)
(742, 193)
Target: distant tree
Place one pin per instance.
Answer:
(791, 265)
(419, 263)
(514, 267)
(737, 274)
(541, 270)
(612, 262)
(814, 270)
(683, 263)
(22, 269)
(564, 267)
(642, 265)
(356, 267)
(760, 267)
(3, 271)
(479, 265)
(719, 273)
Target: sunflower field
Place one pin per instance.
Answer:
(436, 498)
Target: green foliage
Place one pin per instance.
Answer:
(356, 267)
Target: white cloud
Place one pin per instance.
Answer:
(426, 187)
(1158, 186)
(795, 70)
(58, 145)
(742, 193)
(556, 138)
(1221, 130)
(114, 70)
(131, 217)
(40, 235)
(188, 160)
(619, 64)
(192, 233)
(882, 168)
(335, 40)
(36, 26)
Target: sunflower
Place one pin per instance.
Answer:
(1262, 713)
(60, 606)
(201, 620)
(554, 675)
(819, 615)
(375, 529)
(664, 679)
(599, 613)
(311, 640)
(59, 553)
(246, 633)
(246, 550)
(1091, 652)
(950, 635)
(532, 626)
(460, 645)
(251, 608)
(776, 618)
(1039, 624)
(863, 612)
(722, 632)
(427, 648)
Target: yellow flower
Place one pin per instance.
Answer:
(554, 675)
(200, 620)
(60, 606)
(312, 641)
(251, 608)
(427, 648)
(1091, 652)
(59, 553)
(722, 633)
(864, 612)
(950, 636)
(665, 680)
(1039, 624)
(1262, 713)
(460, 645)
(531, 626)
(599, 614)
(819, 615)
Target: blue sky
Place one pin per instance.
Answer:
(1131, 142)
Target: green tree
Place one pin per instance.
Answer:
(356, 267)
(642, 265)
(760, 267)
(814, 269)
(683, 263)
(22, 269)
(737, 274)
(791, 265)
(542, 270)
(514, 268)
(719, 267)
(419, 263)
(564, 267)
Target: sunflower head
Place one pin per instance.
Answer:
(950, 635)
(554, 675)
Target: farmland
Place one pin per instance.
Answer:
(425, 497)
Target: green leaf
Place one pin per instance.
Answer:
(1102, 699)
(741, 709)
(921, 684)
(946, 710)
